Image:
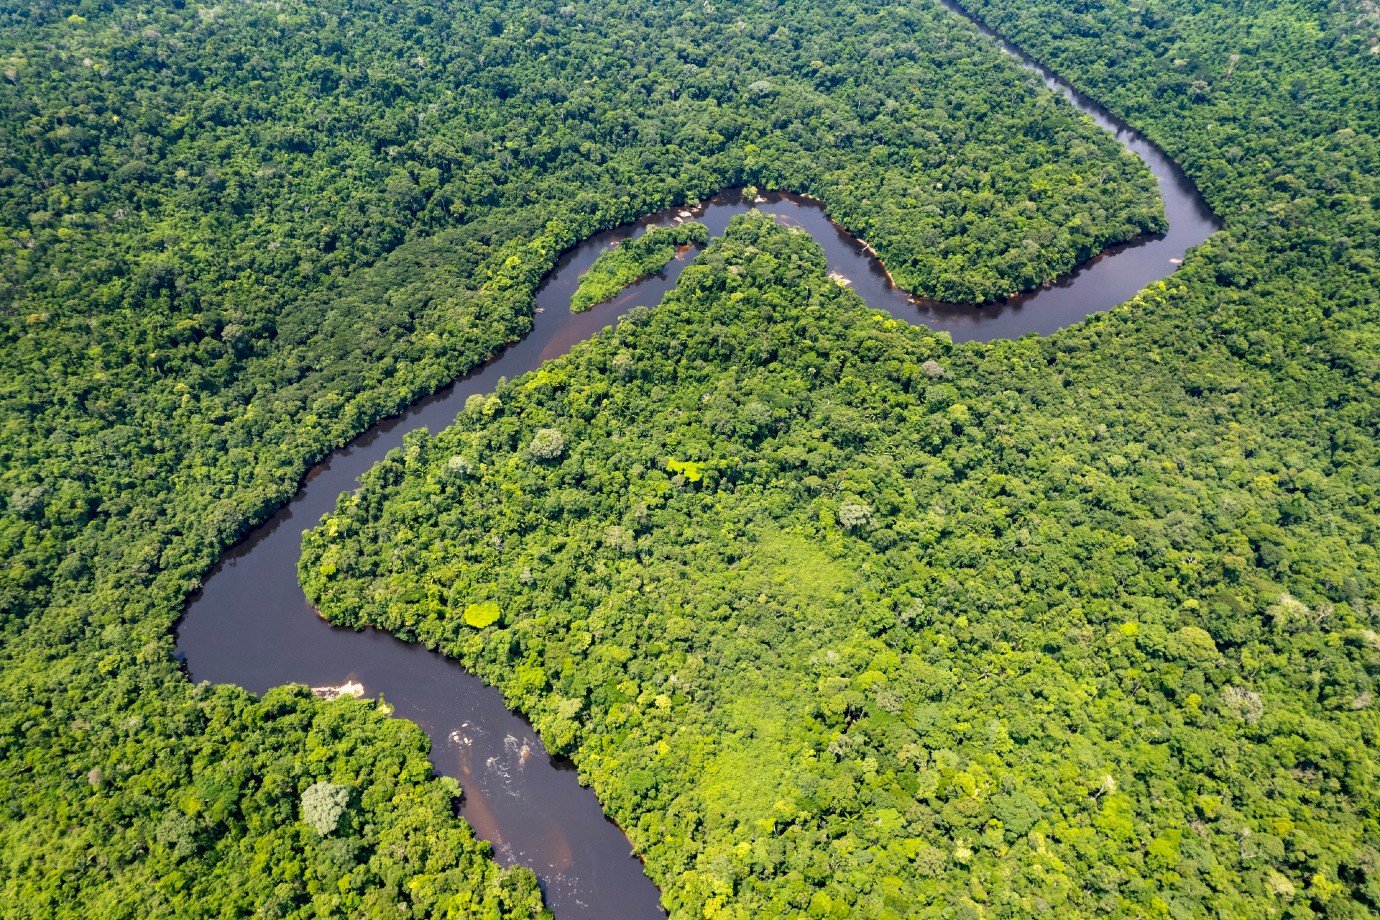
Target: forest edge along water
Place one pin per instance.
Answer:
(250, 623)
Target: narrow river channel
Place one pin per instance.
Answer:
(250, 623)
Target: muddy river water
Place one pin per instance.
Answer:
(250, 623)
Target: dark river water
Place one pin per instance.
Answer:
(250, 623)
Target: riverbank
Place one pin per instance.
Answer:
(250, 624)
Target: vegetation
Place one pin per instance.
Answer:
(621, 265)
(829, 634)
(840, 619)
(323, 804)
(231, 236)
(372, 835)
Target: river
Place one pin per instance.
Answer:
(251, 625)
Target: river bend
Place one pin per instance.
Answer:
(251, 625)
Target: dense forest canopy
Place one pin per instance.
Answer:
(1089, 622)
(838, 618)
(621, 265)
(236, 234)
(203, 200)
(842, 620)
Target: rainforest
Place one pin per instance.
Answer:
(731, 538)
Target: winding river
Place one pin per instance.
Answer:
(251, 625)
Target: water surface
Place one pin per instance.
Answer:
(251, 625)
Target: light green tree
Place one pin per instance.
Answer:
(322, 805)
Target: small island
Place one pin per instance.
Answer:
(620, 266)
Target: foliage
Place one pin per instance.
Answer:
(620, 266)
(1085, 624)
(322, 805)
(547, 444)
(232, 236)
(482, 614)
(228, 840)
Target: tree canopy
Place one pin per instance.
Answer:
(1083, 623)
(621, 265)
(833, 635)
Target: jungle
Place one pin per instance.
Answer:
(836, 617)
